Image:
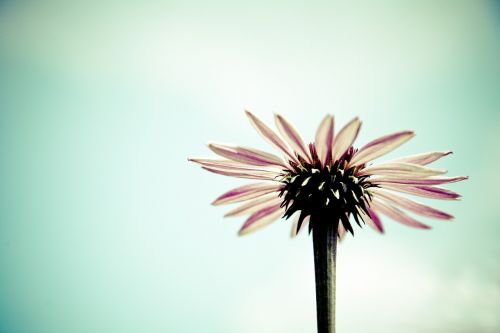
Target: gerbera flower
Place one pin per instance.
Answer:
(328, 181)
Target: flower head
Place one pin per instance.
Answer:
(328, 181)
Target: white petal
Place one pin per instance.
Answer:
(425, 181)
(248, 174)
(229, 164)
(432, 192)
(341, 232)
(261, 218)
(400, 170)
(411, 205)
(372, 220)
(292, 137)
(251, 206)
(247, 192)
(396, 214)
(425, 158)
(324, 139)
(380, 146)
(345, 138)
(246, 155)
(270, 136)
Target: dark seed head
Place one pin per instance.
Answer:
(328, 194)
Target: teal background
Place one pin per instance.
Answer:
(105, 227)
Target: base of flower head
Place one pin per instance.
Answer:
(327, 194)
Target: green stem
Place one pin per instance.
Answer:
(325, 252)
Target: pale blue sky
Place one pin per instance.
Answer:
(105, 227)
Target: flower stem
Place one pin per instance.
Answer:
(325, 252)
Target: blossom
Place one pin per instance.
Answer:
(328, 181)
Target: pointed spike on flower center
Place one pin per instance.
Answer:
(306, 181)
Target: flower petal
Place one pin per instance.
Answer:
(341, 232)
(248, 174)
(292, 137)
(425, 158)
(324, 139)
(426, 181)
(345, 138)
(372, 220)
(246, 155)
(246, 192)
(251, 206)
(270, 136)
(305, 222)
(400, 170)
(411, 205)
(424, 191)
(229, 164)
(380, 146)
(261, 218)
(397, 214)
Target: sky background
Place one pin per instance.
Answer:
(105, 227)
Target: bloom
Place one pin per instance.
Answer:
(328, 181)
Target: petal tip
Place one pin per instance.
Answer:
(409, 133)
(250, 115)
(216, 201)
(278, 118)
(356, 121)
(243, 232)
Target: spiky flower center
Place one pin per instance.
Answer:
(327, 194)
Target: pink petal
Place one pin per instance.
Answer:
(324, 139)
(261, 218)
(246, 192)
(380, 146)
(305, 222)
(400, 170)
(410, 205)
(292, 137)
(372, 220)
(246, 155)
(233, 165)
(425, 158)
(341, 232)
(345, 138)
(427, 181)
(270, 136)
(424, 191)
(251, 206)
(397, 214)
(248, 174)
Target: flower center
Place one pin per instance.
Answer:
(326, 194)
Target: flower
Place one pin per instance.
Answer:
(328, 181)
